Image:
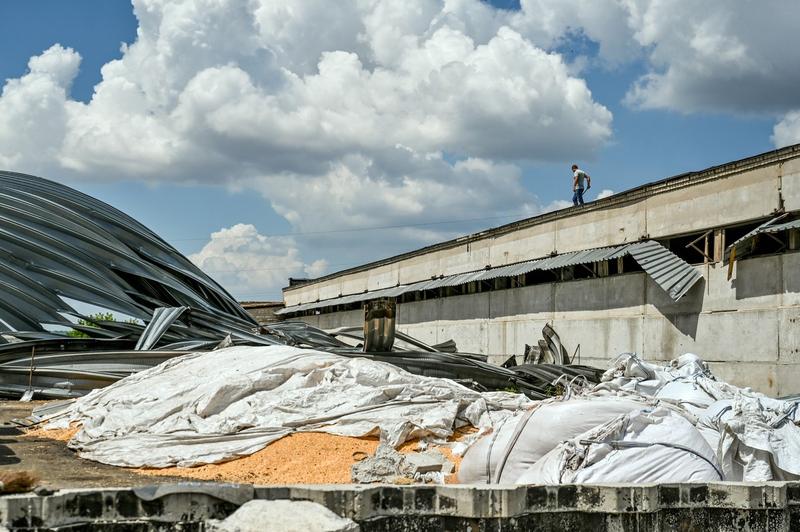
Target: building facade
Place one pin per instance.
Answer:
(704, 262)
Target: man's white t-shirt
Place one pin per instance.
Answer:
(581, 176)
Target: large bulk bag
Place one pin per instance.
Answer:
(643, 446)
(507, 452)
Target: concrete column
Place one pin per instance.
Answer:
(719, 245)
(794, 239)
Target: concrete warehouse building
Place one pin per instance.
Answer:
(703, 262)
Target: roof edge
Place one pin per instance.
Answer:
(633, 194)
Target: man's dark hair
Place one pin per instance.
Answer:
(574, 166)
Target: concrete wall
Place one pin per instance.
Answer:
(747, 328)
(723, 197)
(718, 507)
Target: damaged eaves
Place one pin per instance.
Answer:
(669, 271)
(745, 245)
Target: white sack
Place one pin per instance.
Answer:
(594, 457)
(215, 406)
(755, 437)
(523, 439)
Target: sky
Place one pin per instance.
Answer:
(271, 139)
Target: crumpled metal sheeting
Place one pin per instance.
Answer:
(674, 275)
(57, 242)
(669, 271)
(71, 367)
(163, 318)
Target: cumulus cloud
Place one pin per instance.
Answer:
(605, 193)
(726, 57)
(250, 264)
(33, 110)
(787, 131)
(226, 89)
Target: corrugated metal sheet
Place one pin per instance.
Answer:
(671, 273)
(59, 243)
(794, 224)
(163, 318)
(744, 244)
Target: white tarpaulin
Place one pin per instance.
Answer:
(215, 406)
(521, 440)
(673, 423)
(643, 446)
(755, 437)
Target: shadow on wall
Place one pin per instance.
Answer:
(690, 306)
(765, 276)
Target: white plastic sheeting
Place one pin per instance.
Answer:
(523, 439)
(643, 446)
(644, 423)
(755, 437)
(212, 407)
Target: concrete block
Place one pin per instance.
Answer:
(288, 516)
(605, 227)
(686, 210)
(789, 331)
(622, 295)
(521, 301)
(790, 184)
(790, 268)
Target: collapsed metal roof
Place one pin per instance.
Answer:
(669, 271)
(57, 243)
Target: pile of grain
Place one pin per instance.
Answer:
(300, 458)
(54, 434)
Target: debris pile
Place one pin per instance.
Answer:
(643, 423)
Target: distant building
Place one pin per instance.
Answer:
(646, 270)
(262, 311)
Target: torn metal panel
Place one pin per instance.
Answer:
(744, 245)
(670, 272)
(163, 318)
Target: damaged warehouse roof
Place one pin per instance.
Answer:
(60, 246)
(669, 271)
(59, 243)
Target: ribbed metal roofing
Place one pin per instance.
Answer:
(772, 226)
(669, 271)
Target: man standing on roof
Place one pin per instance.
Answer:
(578, 178)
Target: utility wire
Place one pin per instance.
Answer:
(357, 229)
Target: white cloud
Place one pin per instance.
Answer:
(32, 110)
(733, 56)
(226, 89)
(249, 264)
(605, 193)
(787, 131)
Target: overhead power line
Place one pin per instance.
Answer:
(357, 229)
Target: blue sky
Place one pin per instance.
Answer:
(658, 133)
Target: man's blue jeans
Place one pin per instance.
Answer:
(577, 198)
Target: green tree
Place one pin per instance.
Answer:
(100, 316)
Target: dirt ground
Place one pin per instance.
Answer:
(53, 463)
(300, 458)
